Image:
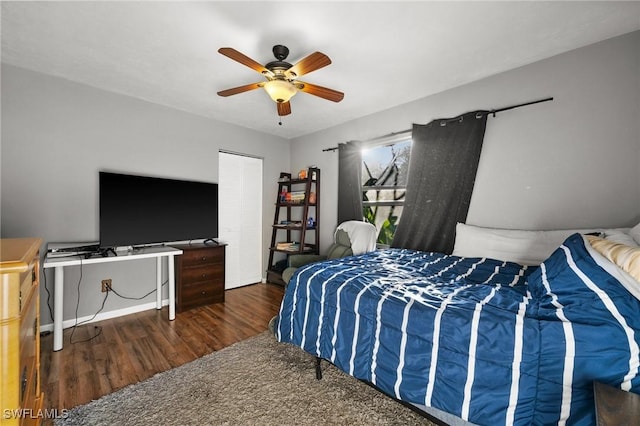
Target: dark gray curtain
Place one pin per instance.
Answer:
(349, 182)
(442, 171)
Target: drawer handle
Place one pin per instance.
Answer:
(23, 383)
(204, 258)
(204, 275)
(204, 293)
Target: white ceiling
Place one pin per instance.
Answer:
(384, 53)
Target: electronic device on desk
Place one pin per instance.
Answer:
(143, 210)
(72, 249)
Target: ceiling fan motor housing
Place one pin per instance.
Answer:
(280, 52)
(278, 67)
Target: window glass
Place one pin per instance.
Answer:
(384, 181)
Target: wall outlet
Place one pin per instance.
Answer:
(106, 285)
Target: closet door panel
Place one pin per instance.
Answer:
(240, 186)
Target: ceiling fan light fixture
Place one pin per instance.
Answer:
(280, 90)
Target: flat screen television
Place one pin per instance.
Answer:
(144, 210)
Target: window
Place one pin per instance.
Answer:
(384, 181)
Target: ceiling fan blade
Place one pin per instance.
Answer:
(284, 108)
(311, 63)
(243, 59)
(322, 92)
(240, 89)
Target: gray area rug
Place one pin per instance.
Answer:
(255, 382)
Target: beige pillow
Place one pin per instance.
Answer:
(626, 257)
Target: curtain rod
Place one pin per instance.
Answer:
(491, 112)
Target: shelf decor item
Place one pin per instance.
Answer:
(296, 224)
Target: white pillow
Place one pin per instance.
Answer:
(635, 233)
(519, 246)
(620, 236)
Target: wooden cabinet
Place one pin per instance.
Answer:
(20, 331)
(199, 275)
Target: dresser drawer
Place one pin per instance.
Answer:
(10, 360)
(28, 341)
(202, 257)
(191, 275)
(15, 289)
(28, 322)
(20, 363)
(27, 286)
(32, 401)
(27, 392)
(27, 280)
(211, 291)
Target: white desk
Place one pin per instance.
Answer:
(59, 263)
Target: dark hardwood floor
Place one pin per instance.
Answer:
(135, 347)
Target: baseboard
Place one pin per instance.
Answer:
(105, 315)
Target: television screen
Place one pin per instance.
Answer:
(141, 210)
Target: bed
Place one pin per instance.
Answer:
(475, 339)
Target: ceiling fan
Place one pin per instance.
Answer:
(282, 78)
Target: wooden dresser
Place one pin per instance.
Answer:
(199, 275)
(20, 332)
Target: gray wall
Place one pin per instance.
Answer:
(57, 135)
(570, 163)
(573, 162)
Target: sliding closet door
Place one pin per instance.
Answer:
(240, 216)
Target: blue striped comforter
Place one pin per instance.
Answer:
(491, 342)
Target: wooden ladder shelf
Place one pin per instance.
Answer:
(291, 222)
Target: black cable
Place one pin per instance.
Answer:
(78, 301)
(111, 289)
(104, 301)
(44, 278)
(97, 327)
(73, 330)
